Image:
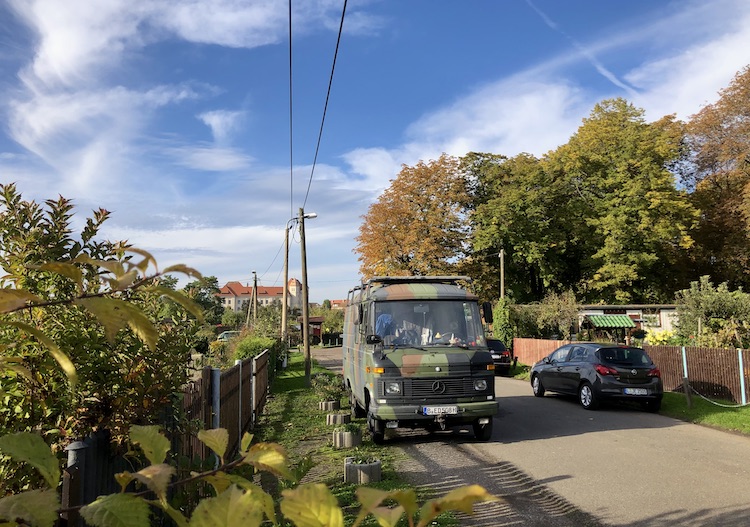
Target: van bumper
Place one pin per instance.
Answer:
(413, 415)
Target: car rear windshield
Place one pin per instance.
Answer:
(624, 355)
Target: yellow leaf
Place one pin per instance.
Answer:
(34, 507)
(219, 481)
(232, 508)
(62, 359)
(190, 306)
(153, 443)
(156, 478)
(247, 438)
(388, 517)
(12, 299)
(124, 479)
(265, 499)
(114, 314)
(65, 269)
(461, 499)
(184, 269)
(217, 439)
(372, 498)
(269, 457)
(312, 505)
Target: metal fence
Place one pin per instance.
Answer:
(232, 399)
(715, 373)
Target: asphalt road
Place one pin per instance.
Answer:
(554, 464)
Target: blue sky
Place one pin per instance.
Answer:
(174, 114)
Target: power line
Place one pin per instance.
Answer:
(291, 137)
(325, 108)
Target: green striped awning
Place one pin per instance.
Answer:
(611, 321)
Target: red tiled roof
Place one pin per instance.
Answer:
(237, 289)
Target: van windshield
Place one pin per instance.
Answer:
(429, 323)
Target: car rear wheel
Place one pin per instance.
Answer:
(482, 432)
(536, 386)
(587, 397)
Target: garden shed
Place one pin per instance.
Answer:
(616, 328)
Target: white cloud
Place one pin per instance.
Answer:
(214, 159)
(222, 123)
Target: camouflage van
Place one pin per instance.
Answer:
(415, 355)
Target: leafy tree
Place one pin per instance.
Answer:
(719, 174)
(54, 296)
(635, 224)
(233, 319)
(333, 321)
(558, 314)
(519, 207)
(418, 225)
(713, 316)
(203, 292)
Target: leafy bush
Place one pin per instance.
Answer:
(329, 386)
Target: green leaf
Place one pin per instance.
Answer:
(114, 314)
(461, 499)
(156, 478)
(190, 306)
(269, 457)
(12, 299)
(34, 507)
(312, 505)
(31, 448)
(113, 266)
(62, 359)
(153, 443)
(232, 508)
(117, 510)
(217, 439)
(12, 364)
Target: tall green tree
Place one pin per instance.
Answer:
(635, 225)
(719, 175)
(203, 292)
(418, 225)
(519, 207)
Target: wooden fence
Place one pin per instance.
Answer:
(232, 399)
(715, 373)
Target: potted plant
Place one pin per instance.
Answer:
(347, 435)
(361, 469)
(338, 418)
(330, 388)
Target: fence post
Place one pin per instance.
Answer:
(73, 481)
(742, 377)
(238, 363)
(685, 380)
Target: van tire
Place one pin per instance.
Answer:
(357, 410)
(377, 429)
(482, 432)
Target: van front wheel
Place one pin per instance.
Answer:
(482, 432)
(377, 429)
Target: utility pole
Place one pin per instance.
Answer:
(502, 273)
(305, 301)
(255, 299)
(285, 292)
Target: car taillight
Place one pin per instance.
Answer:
(654, 372)
(505, 353)
(601, 369)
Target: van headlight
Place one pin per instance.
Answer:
(480, 385)
(393, 388)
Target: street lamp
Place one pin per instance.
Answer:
(305, 303)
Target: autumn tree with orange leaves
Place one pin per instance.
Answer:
(418, 225)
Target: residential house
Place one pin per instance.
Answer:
(234, 295)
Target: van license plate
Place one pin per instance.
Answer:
(635, 391)
(439, 410)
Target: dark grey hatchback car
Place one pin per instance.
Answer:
(596, 371)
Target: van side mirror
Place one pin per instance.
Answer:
(487, 312)
(373, 339)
